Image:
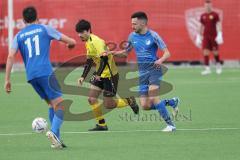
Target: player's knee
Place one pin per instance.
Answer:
(92, 100)
(153, 100)
(145, 106)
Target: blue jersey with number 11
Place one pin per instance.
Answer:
(34, 44)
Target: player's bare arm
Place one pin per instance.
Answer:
(121, 53)
(219, 38)
(166, 55)
(219, 26)
(10, 61)
(69, 41)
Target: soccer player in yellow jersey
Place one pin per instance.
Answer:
(105, 79)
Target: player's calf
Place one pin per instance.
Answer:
(133, 104)
(174, 103)
(109, 102)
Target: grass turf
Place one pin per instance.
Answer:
(207, 102)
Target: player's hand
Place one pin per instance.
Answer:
(8, 87)
(97, 78)
(198, 40)
(80, 81)
(219, 38)
(70, 46)
(106, 53)
(158, 63)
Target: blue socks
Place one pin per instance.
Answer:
(171, 102)
(161, 107)
(50, 114)
(57, 122)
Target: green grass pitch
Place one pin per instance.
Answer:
(208, 126)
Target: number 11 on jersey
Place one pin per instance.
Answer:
(35, 39)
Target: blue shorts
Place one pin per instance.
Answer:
(47, 87)
(150, 77)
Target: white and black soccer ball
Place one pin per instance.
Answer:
(39, 125)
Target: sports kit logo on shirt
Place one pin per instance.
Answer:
(148, 42)
(192, 21)
(211, 17)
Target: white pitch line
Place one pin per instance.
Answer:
(126, 131)
(133, 131)
(15, 134)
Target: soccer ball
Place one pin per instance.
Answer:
(39, 125)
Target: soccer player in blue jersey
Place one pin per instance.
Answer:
(146, 43)
(33, 42)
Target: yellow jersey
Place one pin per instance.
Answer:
(95, 46)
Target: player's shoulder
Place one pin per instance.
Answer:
(203, 14)
(214, 12)
(154, 34)
(45, 27)
(95, 38)
(133, 35)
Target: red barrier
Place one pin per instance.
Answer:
(111, 20)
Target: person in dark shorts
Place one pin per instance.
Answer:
(105, 79)
(210, 37)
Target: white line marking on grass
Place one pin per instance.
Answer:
(126, 131)
(15, 134)
(133, 131)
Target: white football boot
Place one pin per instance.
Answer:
(169, 128)
(206, 71)
(55, 142)
(218, 68)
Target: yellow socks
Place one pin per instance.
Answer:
(97, 111)
(121, 102)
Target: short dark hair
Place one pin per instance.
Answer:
(207, 1)
(83, 25)
(140, 15)
(29, 14)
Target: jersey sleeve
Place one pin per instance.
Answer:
(129, 45)
(15, 43)
(158, 40)
(53, 33)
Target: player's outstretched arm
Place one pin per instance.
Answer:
(9, 64)
(69, 41)
(121, 53)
